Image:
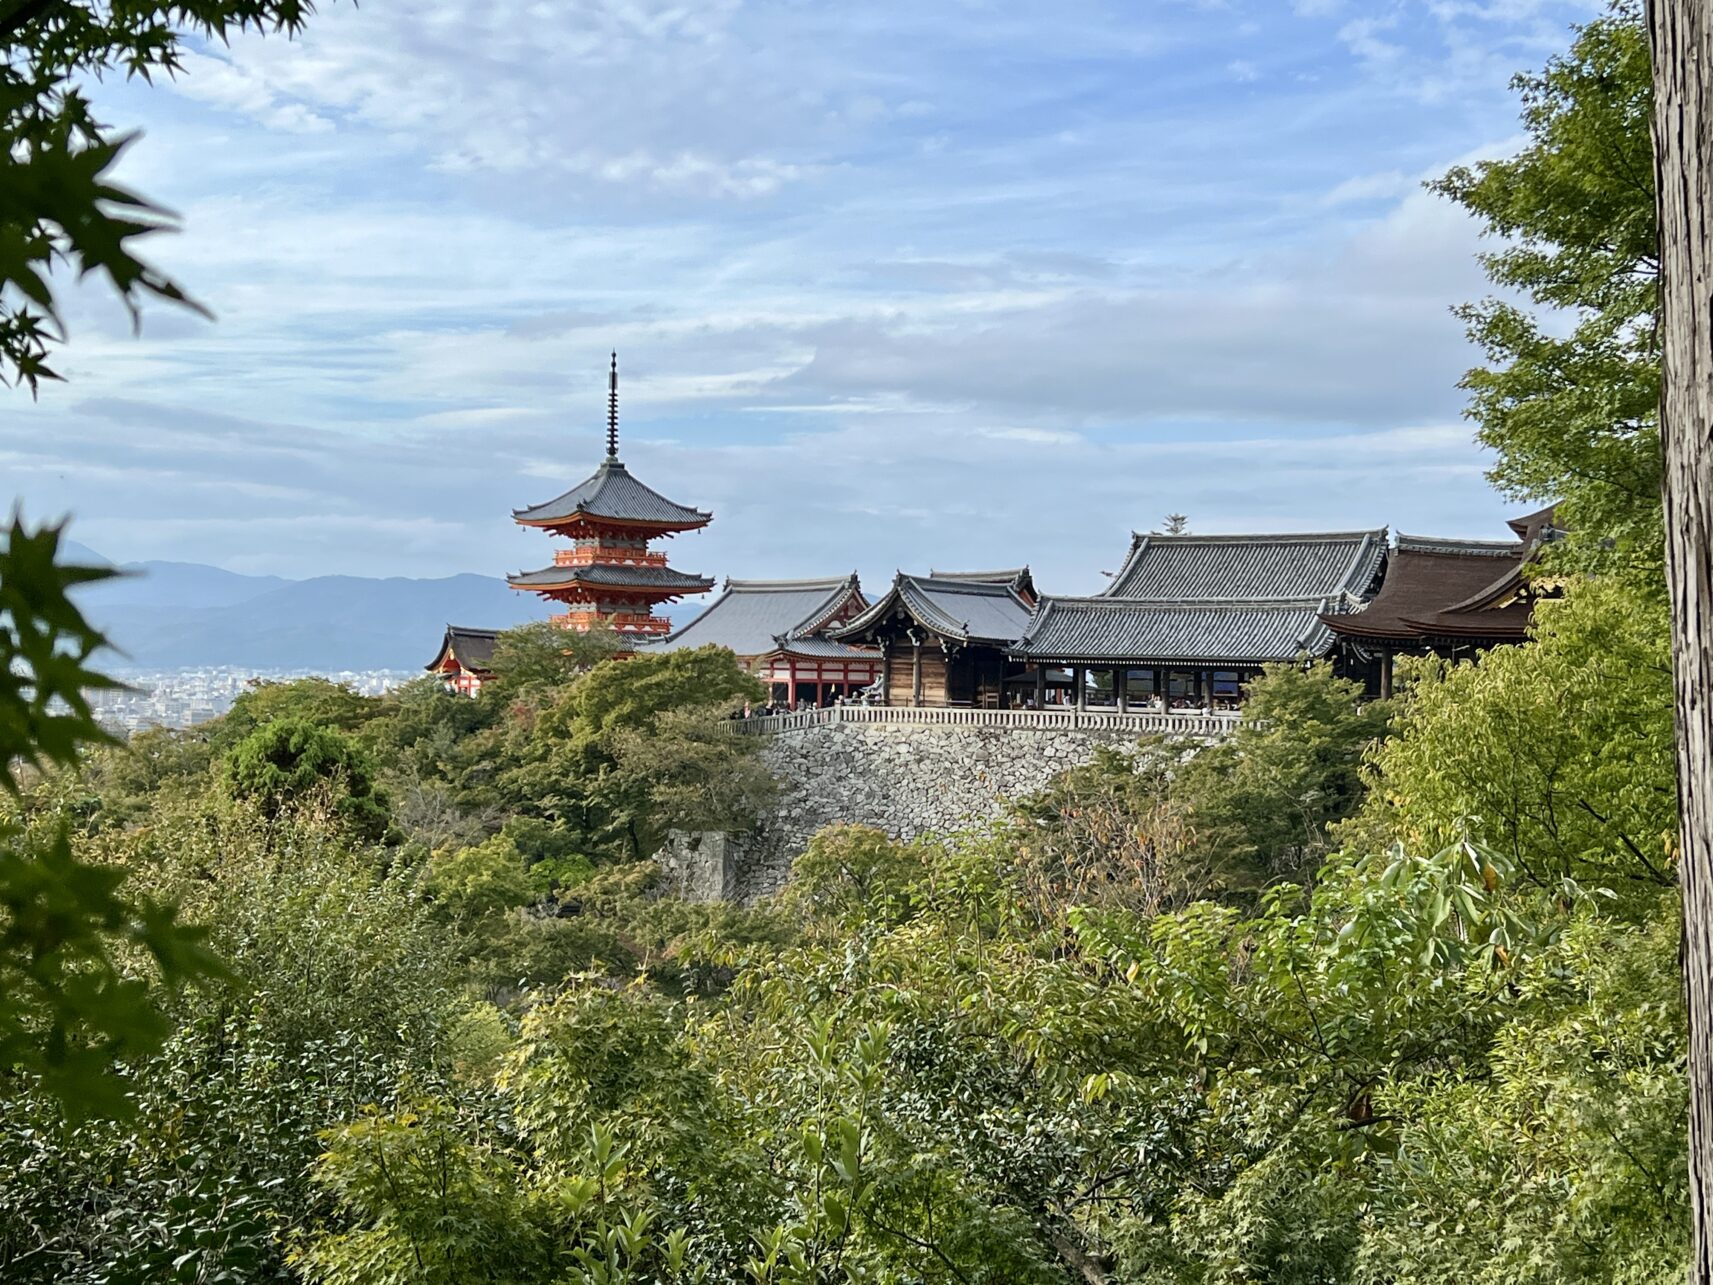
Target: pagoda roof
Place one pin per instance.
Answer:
(1427, 576)
(472, 650)
(612, 494)
(1293, 567)
(962, 610)
(757, 617)
(1107, 629)
(612, 575)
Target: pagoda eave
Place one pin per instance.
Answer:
(584, 527)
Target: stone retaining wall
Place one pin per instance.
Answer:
(907, 779)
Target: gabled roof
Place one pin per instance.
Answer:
(1250, 568)
(472, 650)
(756, 617)
(961, 610)
(613, 494)
(611, 575)
(1426, 576)
(1532, 526)
(1070, 630)
(1019, 578)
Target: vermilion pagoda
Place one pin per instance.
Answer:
(610, 575)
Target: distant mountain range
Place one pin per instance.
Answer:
(176, 615)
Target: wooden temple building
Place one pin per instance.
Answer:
(1186, 621)
(465, 659)
(611, 575)
(1451, 598)
(778, 630)
(942, 637)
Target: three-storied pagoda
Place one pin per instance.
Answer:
(610, 575)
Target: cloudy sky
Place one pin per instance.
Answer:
(894, 283)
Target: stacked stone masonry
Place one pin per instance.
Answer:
(906, 779)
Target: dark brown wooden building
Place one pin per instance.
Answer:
(943, 639)
(1446, 597)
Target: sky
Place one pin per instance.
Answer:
(940, 283)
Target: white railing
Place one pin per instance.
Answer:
(1188, 723)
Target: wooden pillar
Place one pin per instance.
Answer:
(1121, 686)
(1040, 685)
(791, 685)
(1385, 675)
(1079, 682)
(916, 674)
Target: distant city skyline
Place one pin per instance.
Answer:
(891, 285)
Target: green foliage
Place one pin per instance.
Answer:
(77, 949)
(289, 761)
(1569, 398)
(471, 886)
(854, 875)
(629, 748)
(59, 209)
(1559, 754)
(1113, 832)
(688, 772)
(339, 987)
(543, 654)
(1263, 800)
(308, 700)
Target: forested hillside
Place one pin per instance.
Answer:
(349, 990)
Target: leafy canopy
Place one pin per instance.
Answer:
(289, 760)
(59, 206)
(1569, 395)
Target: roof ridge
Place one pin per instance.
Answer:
(1424, 543)
(1200, 604)
(781, 586)
(1258, 537)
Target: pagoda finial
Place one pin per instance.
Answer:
(613, 409)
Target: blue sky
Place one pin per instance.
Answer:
(951, 283)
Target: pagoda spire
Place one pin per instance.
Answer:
(613, 409)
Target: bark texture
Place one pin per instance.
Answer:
(1682, 35)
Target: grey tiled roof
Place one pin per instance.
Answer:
(1116, 629)
(473, 649)
(618, 577)
(1250, 568)
(752, 616)
(963, 610)
(824, 649)
(1009, 576)
(611, 492)
(1446, 547)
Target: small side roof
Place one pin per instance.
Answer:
(1103, 629)
(1019, 578)
(1288, 567)
(471, 650)
(752, 617)
(961, 610)
(611, 493)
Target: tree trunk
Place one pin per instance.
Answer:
(1682, 37)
